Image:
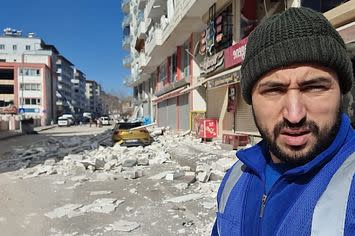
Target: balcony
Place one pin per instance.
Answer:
(142, 60)
(127, 61)
(155, 37)
(175, 31)
(126, 21)
(125, 6)
(126, 42)
(127, 81)
(142, 28)
(156, 8)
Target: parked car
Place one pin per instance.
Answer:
(63, 121)
(70, 117)
(125, 134)
(105, 120)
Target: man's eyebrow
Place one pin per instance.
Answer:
(316, 80)
(271, 84)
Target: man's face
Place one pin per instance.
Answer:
(297, 111)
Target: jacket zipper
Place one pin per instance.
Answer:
(263, 204)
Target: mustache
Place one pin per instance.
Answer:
(303, 124)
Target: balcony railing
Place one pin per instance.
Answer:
(125, 6)
(126, 21)
(127, 61)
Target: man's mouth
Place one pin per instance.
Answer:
(295, 137)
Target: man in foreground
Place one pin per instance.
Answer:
(299, 180)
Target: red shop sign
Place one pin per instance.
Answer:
(234, 55)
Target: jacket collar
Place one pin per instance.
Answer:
(257, 156)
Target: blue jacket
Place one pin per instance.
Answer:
(289, 206)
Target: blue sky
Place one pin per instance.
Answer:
(87, 32)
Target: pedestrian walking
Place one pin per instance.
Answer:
(299, 180)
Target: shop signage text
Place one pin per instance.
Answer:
(8, 110)
(227, 79)
(234, 55)
(210, 64)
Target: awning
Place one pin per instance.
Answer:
(171, 94)
(194, 86)
(226, 72)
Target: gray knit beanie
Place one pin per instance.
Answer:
(297, 35)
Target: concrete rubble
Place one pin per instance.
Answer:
(81, 159)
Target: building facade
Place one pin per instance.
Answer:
(93, 98)
(78, 91)
(185, 57)
(65, 75)
(27, 75)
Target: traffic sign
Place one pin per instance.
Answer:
(21, 110)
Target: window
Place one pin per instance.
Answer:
(28, 47)
(30, 72)
(185, 60)
(32, 101)
(14, 47)
(2, 46)
(162, 72)
(30, 87)
(173, 68)
(6, 89)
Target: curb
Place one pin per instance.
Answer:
(11, 136)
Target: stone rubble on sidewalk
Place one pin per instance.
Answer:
(80, 160)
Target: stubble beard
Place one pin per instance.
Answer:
(298, 156)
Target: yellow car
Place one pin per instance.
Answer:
(125, 134)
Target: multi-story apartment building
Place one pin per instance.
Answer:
(185, 56)
(65, 75)
(27, 75)
(93, 98)
(78, 91)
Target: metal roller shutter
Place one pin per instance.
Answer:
(171, 113)
(244, 115)
(215, 99)
(146, 109)
(184, 110)
(162, 117)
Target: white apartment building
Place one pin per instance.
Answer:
(78, 91)
(65, 75)
(93, 98)
(185, 56)
(27, 78)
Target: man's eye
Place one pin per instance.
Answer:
(272, 91)
(314, 89)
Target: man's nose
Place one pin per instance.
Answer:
(294, 109)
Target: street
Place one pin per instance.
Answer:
(61, 182)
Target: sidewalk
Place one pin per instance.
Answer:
(14, 133)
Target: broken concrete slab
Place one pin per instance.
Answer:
(124, 226)
(185, 198)
(63, 211)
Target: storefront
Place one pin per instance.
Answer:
(173, 110)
